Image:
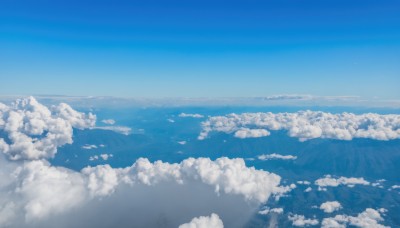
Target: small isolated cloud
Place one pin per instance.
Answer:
(267, 210)
(109, 121)
(301, 221)
(330, 206)
(89, 147)
(329, 181)
(251, 133)
(264, 157)
(105, 157)
(369, 218)
(309, 189)
(212, 221)
(171, 120)
(94, 158)
(395, 187)
(182, 142)
(306, 125)
(119, 129)
(304, 182)
(184, 115)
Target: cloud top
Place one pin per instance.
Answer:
(35, 131)
(306, 125)
(212, 221)
(330, 206)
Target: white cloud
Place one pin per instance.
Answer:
(35, 131)
(264, 157)
(34, 193)
(330, 206)
(307, 125)
(109, 121)
(119, 129)
(268, 210)
(171, 120)
(304, 182)
(329, 181)
(105, 157)
(182, 142)
(369, 218)
(300, 220)
(395, 187)
(212, 221)
(183, 115)
(251, 133)
(309, 189)
(93, 158)
(89, 147)
(42, 191)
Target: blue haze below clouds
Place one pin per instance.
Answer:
(200, 48)
(157, 139)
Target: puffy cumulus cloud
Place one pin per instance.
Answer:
(329, 181)
(301, 221)
(105, 157)
(212, 221)
(307, 125)
(37, 192)
(225, 175)
(370, 218)
(108, 121)
(35, 131)
(251, 133)
(184, 115)
(330, 206)
(264, 157)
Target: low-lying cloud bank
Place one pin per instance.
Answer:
(274, 156)
(33, 193)
(329, 181)
(306, 125)
(368, 218)
(36, 191)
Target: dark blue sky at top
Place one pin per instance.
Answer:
(183, 48)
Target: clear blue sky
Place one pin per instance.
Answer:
(200, 48)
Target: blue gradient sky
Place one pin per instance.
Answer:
(200, 48)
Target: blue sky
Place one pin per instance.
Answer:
(200, 48)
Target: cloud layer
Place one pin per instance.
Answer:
(33, 193)
(306, 125)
